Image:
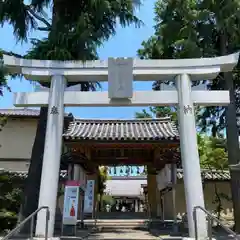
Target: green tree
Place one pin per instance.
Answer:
(143, 114)
(212, 152)
(3, 79)
(102, 178)
(213, 157)
(187, 29)
(3, 84)
(211, 119)
(76, 30)
(158, 112)
(107, 200)
(10, 195)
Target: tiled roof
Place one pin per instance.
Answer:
(207, 174)
(220, 175)
(23, 112)
(142, 129)
(18, 112)
(24, 174)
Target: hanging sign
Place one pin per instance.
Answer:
(164, 177)
(70, 207)
(89, 197)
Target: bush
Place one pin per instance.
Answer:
(10, 199)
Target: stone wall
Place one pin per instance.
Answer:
(16, 141)
(209, 194)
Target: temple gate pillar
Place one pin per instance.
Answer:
(158, 199)
(52, 154)
(156, 160)
(168, 206)
(76, 172)
(189, 155)
(152, 198)
(136, 205)
(79, 175)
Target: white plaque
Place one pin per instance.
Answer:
(120, 78)
(89, 197)
(164, 177)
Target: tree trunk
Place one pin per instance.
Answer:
(32, 185)
(232, 134)
(233, 148)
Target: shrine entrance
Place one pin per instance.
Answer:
(132, 144)
(124, 187)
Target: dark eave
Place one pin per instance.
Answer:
(23, 174)
(208, 175)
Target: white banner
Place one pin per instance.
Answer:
(89, 197)
(164, 177)
(70, 207)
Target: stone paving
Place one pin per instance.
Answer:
(121, 234)
(128, 233)
(123, 230)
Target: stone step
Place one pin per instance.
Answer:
(109, 237)
(138, 223)
(121, 215)
(119, 234)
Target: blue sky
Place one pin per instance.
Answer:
(124, 44)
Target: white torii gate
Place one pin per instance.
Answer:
(120, 74)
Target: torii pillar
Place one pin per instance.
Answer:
(120, 73)
(52, 154)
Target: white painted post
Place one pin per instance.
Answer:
(189, 155)
(52, 155)
(76, 172)
(136, 205)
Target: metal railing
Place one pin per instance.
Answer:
(30, 218)
(210, 219)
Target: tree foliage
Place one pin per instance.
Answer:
(102, 178)
(158, 112)
(213, 157)
(3, 79)
(212, 153)
(75, 29)
(10, 196)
